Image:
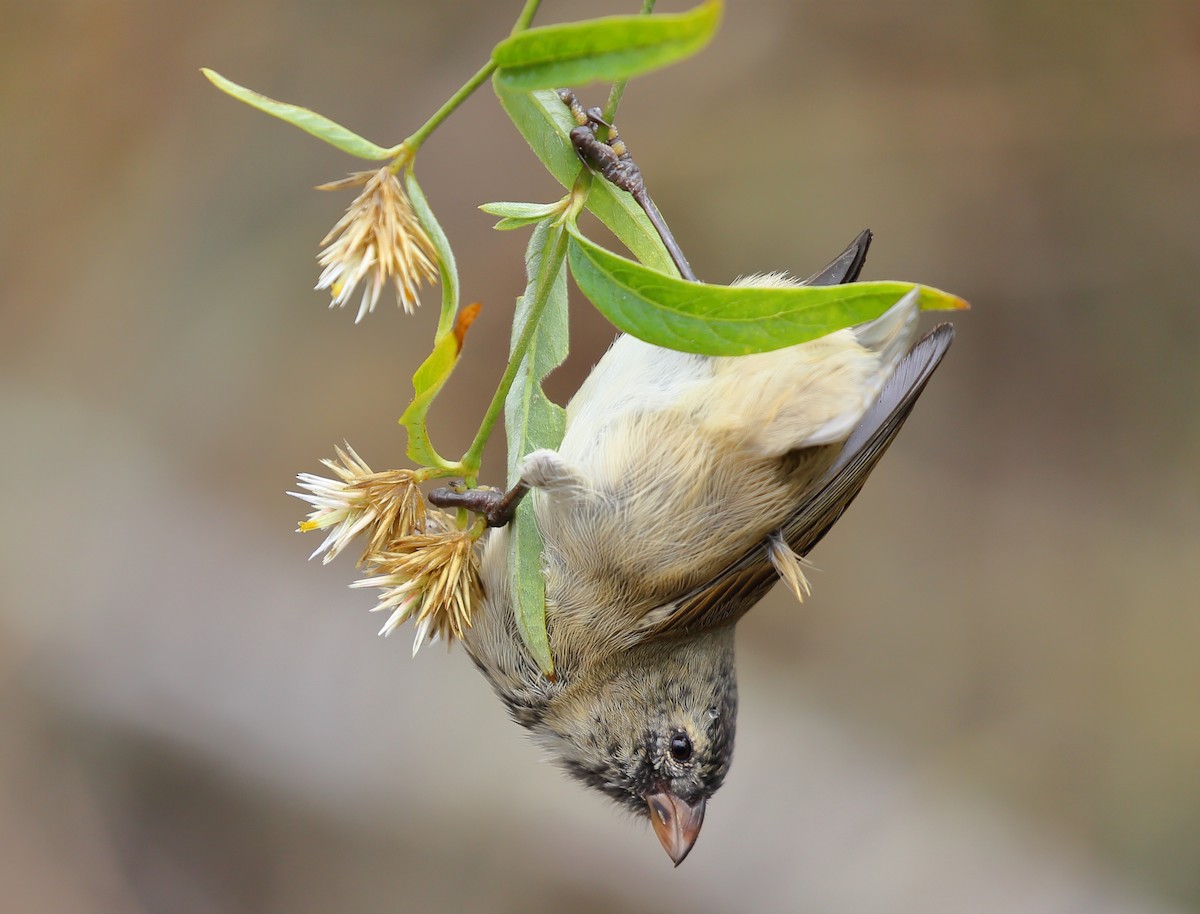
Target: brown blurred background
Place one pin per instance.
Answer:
(990, 704)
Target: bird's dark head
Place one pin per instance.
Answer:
(652, 728)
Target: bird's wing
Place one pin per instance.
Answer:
(724, 599)
(846, 266)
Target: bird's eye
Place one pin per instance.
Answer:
(681, 747)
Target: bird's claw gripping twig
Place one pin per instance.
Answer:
(496, 507)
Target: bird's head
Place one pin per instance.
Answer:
(652, 728)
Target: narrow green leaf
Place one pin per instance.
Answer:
(507, 225)
(428, 380)
(447, 268)
(433, 373)
(523, 210)
(727, 320)
(532, 421)
(545, 122)
(519, 215)
(309, 121)
(611, 48)
(527, 583)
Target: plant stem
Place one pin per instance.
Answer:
(412, 143)
(468, 467)
(618, 88)
(551, 263)
(527, 14)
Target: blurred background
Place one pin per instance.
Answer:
(991, 703)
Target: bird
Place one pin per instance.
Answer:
(684, 488)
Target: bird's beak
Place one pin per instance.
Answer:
(676, 823)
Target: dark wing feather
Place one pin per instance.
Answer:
(846, 266)
(724, 599)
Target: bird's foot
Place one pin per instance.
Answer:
(496, 507)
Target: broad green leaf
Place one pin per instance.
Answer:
(545, 122)
(309, 121)
(518, 215)
(609, 49)
(433, 373)
(727, 320)
(532, 421)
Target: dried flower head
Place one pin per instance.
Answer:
(432, 575)
(388, 504)
(379, 238)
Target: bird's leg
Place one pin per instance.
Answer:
(610, 157)
(546, 469)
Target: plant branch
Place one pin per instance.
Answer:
(552, 261)
(412, 143)
(527, 13)
(618, 88)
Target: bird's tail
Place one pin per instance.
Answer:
(891, 334)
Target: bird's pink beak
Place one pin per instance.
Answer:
(675, 822)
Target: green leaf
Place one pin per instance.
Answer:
(428, 380)
(447, 268)
(545, 122)
(507, 225)
(518, 215)
(532, 421)
(433, 373)
(727, 320)
(609, 49)
(309, 121)
(523, 210)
